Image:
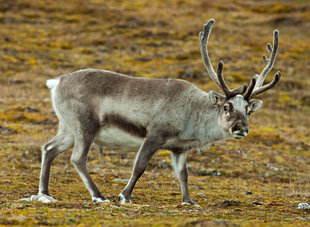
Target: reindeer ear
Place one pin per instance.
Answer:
(255, 104)
(216, 98)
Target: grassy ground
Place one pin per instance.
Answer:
(256, 181)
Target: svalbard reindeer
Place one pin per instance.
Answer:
(126, 113)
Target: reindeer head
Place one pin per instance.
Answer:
(236, 105)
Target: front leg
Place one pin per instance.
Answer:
(145, 153)
(180, 167)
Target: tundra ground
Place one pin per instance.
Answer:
(255, 181)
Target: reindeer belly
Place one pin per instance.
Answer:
(118, 139)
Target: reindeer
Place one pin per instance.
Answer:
(127, 113)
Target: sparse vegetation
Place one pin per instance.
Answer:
(256, 181)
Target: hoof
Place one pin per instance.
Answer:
(190, 204)
(40, 197)
(122, 199)
(100, 200)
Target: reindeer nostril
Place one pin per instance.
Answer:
(240, 128)
(235, 128)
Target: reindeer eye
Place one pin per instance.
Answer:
(225, 108)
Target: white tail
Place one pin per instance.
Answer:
(52, 83)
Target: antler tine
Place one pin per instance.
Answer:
(270, 62)
(228, 93)
(220, 77)
(248, 94)
(204, 37)
(265, 59)
(240, 90)
(266, 87)
(269, 48)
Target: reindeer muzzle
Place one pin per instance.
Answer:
(240, 129)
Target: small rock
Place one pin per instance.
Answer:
(207, 222)
(144, 59)
(17, 81)
(230, 202)
(303, 206)
(272, 167)
(200, 188)
(121, 180)
(273, 203)
(238, 210)
(303, 218)
(257, 203)
(209, 172)
(31, 110)
(163, 164)
(7, 130)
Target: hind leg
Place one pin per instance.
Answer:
(83, 141)
(61, 142)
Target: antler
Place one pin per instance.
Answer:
(248, 93)
(258, 86)
(204, 37)
(268, 86)
(228, 93)
(216, 77)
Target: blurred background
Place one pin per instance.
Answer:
(263, 177)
